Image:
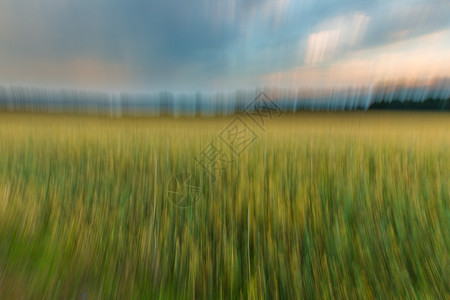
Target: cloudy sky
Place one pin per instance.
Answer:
(184, 45)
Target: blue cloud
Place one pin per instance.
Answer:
(194, 43)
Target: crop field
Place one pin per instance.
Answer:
(314, 206)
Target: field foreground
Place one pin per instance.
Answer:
(318, 205)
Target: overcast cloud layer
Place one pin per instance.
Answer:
(185, 45)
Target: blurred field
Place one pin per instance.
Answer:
(321, 205)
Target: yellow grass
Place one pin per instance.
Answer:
(320, 205)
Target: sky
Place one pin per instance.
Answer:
(187, 45)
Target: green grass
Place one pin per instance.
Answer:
(321, 205)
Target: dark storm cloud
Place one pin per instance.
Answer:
(191, 43)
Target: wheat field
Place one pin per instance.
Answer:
(317, 206)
